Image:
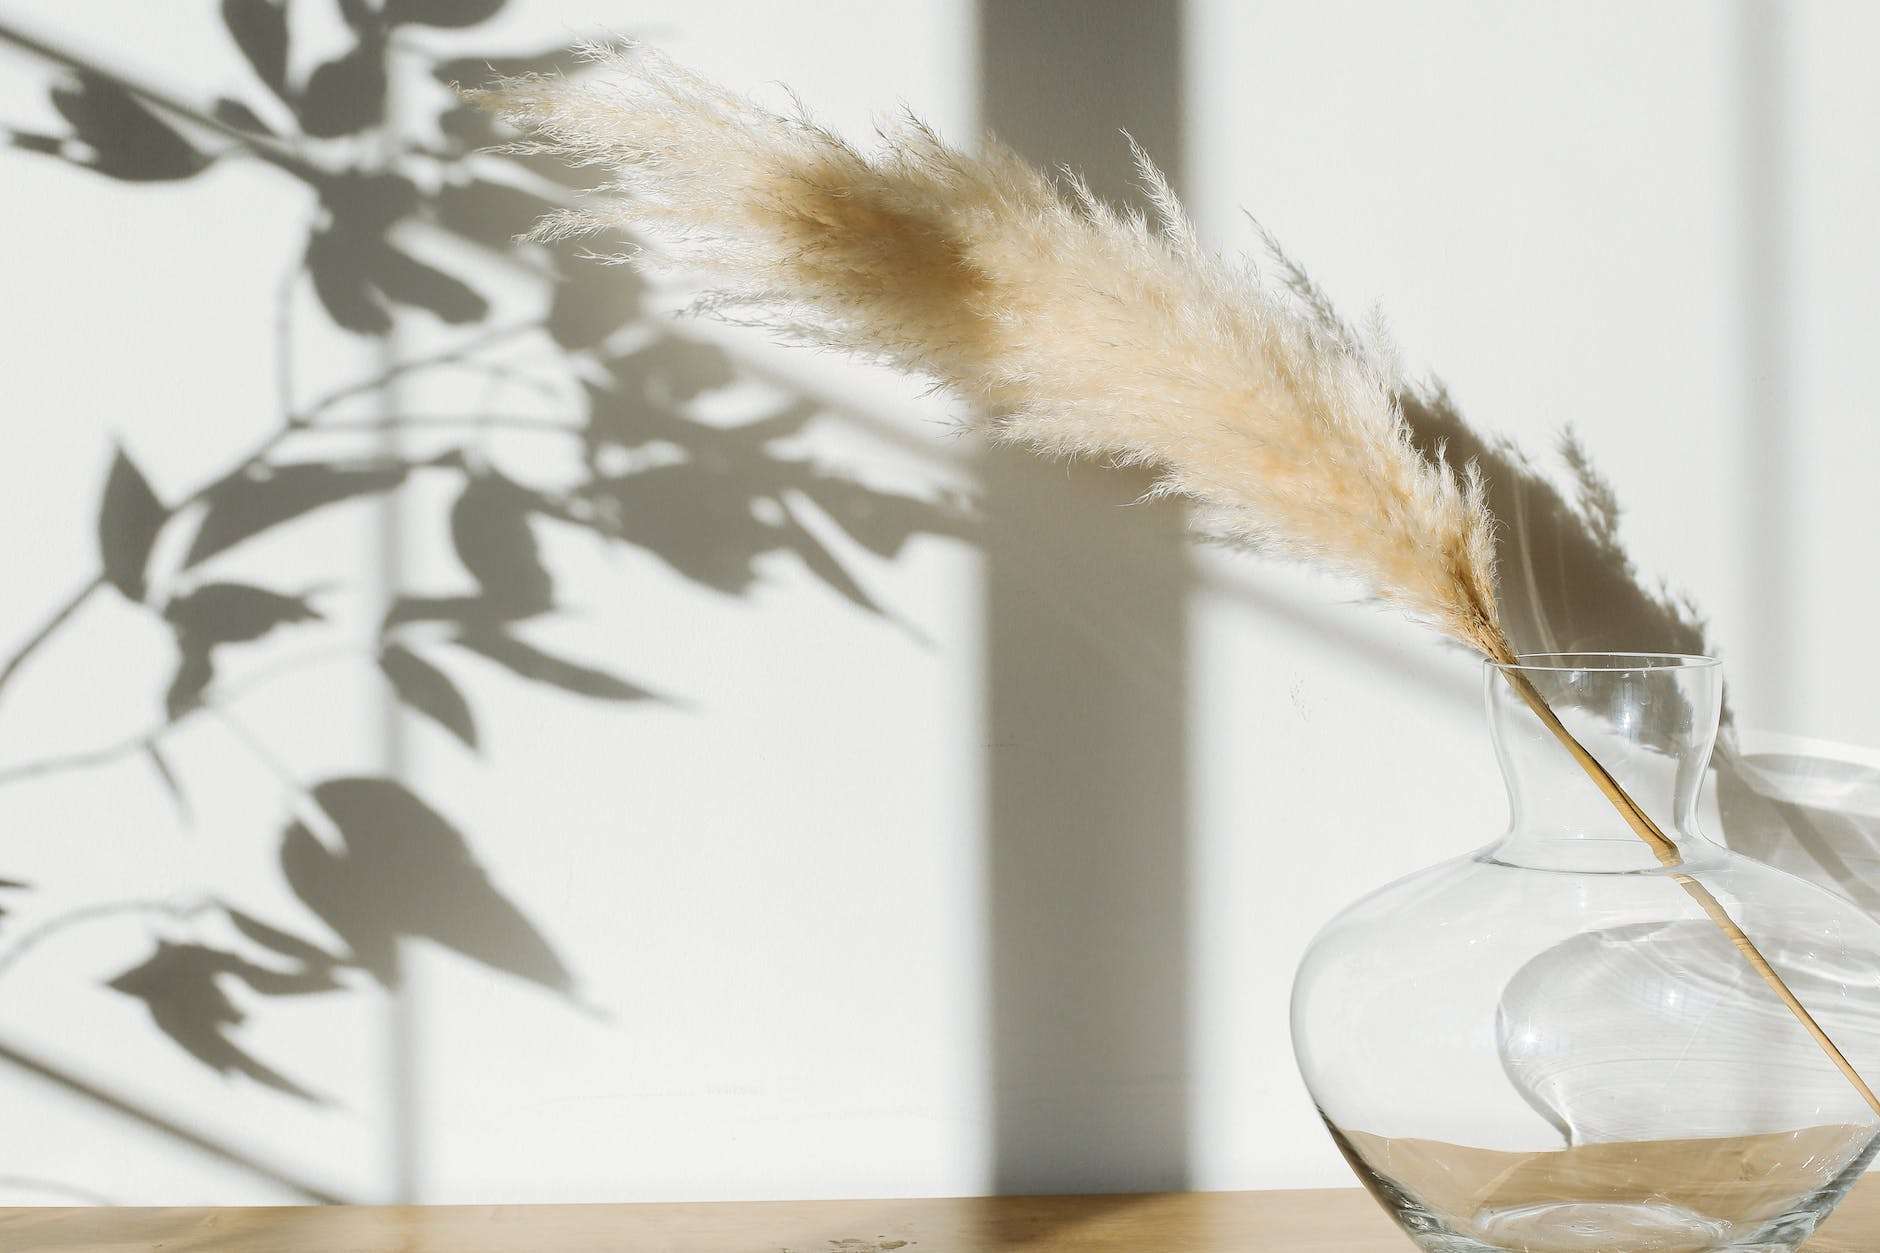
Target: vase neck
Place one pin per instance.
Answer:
(1649, 719)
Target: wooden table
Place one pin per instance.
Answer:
(1342, 1221)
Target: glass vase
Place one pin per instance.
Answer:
(1550, 1046)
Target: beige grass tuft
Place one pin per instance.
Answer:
(1074, 328)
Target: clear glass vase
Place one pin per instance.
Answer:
(1549, 1046)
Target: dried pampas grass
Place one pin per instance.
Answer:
(1077, 329)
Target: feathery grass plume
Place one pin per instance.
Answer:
(1589, 595)
(1076, 328)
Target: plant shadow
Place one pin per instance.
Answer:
(374, 862)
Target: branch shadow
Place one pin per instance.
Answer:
(125, 1108)
(373, 861)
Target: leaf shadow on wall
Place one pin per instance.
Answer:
(373, 861)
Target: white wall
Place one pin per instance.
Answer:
(790, 973)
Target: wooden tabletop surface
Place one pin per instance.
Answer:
(1340, 1221)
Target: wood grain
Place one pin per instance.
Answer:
(1332, 1221)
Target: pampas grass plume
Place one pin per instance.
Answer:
(1074, 328)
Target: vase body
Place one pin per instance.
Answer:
(1550, 1046)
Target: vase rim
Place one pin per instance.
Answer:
(1605, 661)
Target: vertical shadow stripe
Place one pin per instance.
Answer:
(1086, 637)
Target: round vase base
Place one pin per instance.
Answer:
(1642, 1197)
(1593, 1228)
(1598, 1227)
